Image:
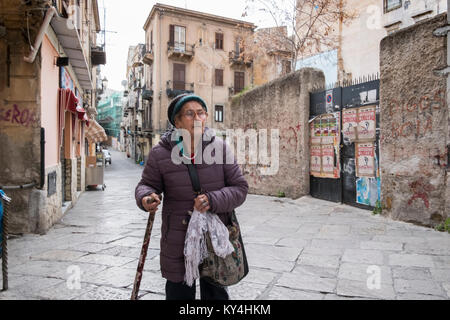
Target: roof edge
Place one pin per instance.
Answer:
(196, 14)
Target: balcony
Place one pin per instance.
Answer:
(175, 88)
(147, 94)
(180, 51)
(147, 56)
(238, 59)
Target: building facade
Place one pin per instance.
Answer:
(355, 52)
(47, 106)
(190, 51)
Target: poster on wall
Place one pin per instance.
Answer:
(368, 191)
(315, 162)
(317, 130)
(366, 123)
(330, 128)
(66, 81)
(365, 160)
(327, 161)
(315, 139)
(349, 123)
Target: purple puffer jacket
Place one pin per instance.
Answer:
(224, 185)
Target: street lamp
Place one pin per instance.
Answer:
(104, 83)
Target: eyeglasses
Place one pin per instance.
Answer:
(190, 114)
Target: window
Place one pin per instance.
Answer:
(390, 5)
(286, 67)
(219, 77)
(179, 73)
(238, 81)
(219, 41)
(177, 38)
(218, 115)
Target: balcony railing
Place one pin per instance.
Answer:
(147, 94)
(175, 88)
(238, 59)
(147, 54)
(180, 51)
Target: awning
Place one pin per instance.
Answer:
(95, 132)
(68, 101)
(71, 43)
(81, 112)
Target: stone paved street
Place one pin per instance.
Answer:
(297, 249)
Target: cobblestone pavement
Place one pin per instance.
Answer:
(297, 249)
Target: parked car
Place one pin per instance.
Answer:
(107, 156)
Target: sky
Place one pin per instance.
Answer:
(125, 21)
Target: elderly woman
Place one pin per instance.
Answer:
(223, 185)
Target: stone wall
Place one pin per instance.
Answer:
(51, 210)
(79, 174)
(283, 105)
(19, 122)
(71, 180)
(414, 124)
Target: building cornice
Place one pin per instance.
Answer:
(195, 14)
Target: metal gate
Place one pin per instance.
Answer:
(355, 148)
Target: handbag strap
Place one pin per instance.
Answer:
(194, 178)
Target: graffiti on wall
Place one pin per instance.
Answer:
(423, 106)
(15, 115)
(420, 191)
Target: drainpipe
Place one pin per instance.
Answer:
(42, 182)
(37, 43)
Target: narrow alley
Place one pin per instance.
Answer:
(297, 249)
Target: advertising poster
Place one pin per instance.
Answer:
(365, 164)
(314, 138)
(349, 123)
(366, 123)
(325, 124)
(315, 162)
(66, 81)
(317, 129)
(330, 128)
(328, 160)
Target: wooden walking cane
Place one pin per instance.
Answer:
(145, 244)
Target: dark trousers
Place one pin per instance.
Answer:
(208, 291)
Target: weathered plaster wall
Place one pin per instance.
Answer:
(49, 98)
(282, 104)
(414, 124)
(20, 125)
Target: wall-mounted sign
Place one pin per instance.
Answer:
(329, 101)
(365, 163)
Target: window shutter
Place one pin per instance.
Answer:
(219, 41)
(219, 77)
(179, 72)
(238, 81)
(172, 35)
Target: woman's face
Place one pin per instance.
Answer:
(192, 117)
